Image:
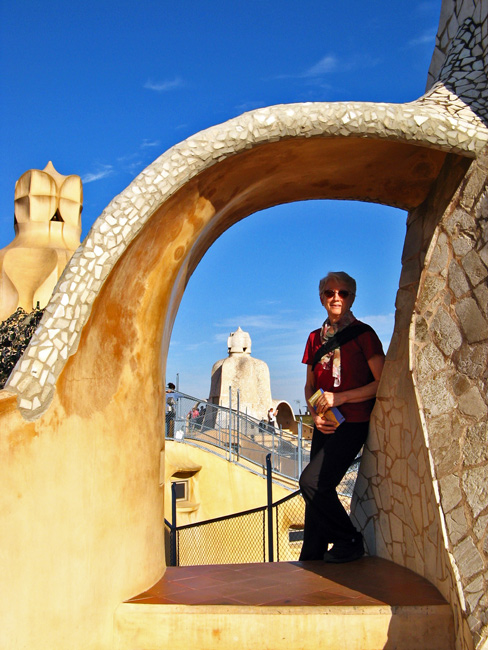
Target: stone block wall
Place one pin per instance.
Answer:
(449, 352)
(455, 13)
(422, 493)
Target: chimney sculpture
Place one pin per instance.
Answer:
(47, 226)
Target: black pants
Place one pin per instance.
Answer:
(326, 521)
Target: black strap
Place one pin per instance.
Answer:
(342, 337)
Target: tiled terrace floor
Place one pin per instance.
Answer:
(368, 581)
(370, 604)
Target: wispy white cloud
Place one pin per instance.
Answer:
(324, 66)
(251, 105)
(269, 301)
(102, 172)
(284, 323)
(137, 160)
(328, 65)
(164, 86)
(135, 167)
(130, 163)
(427, 37)
(263, 322)
(145, 144)
(128, 157)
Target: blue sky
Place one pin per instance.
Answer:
(103, 88)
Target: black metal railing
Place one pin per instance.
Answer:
(236, 436)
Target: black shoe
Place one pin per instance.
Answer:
(345, 551)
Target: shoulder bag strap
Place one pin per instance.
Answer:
(342, 337)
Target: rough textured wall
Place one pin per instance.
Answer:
(247, 375)
(454, 13)
(47, 232)
(449, 353)
(396, 500)
(423, 489)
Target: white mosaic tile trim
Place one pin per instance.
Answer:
(57, 337)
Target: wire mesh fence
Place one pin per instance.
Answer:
(289, 518)
(235, 539)
(246, 536)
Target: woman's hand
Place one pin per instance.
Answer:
(323, 424)
(328, 400)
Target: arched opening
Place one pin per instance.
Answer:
(145, 287)
(135, 308)
(262, 275)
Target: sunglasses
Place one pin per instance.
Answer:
(342, 293)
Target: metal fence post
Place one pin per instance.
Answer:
(238, 422)
(300, 437)
(230, 422)
(269, 480)
(173, 525)
(273, 443)
(218, 418)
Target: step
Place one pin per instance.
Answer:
(364, 605)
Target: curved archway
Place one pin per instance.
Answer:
(144, 288)
(183, 201)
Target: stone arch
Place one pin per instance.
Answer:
(286, 417)
(373, 152)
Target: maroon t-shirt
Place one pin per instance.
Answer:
(355, 371)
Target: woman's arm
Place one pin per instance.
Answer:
(354, 395)
(322, 424)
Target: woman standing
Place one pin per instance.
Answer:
(344, 359)
(272, 422)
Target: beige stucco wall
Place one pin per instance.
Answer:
(247, 375)
(238, 488)
(217, 489)
(76, 498)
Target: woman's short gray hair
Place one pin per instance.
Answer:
(338, 276)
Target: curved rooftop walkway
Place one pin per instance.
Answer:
(364, 605)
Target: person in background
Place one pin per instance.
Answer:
(344, 360)
(272, 423)
(170, 410)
